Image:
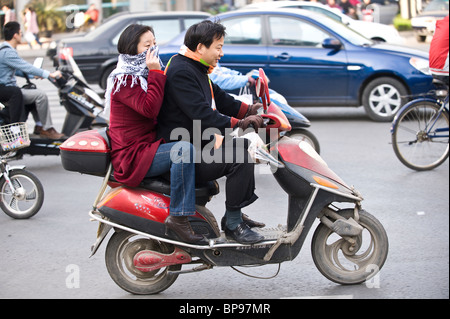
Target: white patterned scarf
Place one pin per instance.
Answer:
(128, 65)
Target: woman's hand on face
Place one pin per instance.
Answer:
(152, 61)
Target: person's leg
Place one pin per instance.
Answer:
(182, 180)
(236, 164)
(178, 159)
(36, 35)
(40, 100)
(13, 97)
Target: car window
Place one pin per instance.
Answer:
(243, 30)
(328, 13)
(289, 31)
(345, 32)
(165, 29)
(437, 5)
(102, 29)
(190, 21)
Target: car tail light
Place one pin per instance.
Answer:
(66, 52)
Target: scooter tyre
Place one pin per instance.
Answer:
(121, 249)
(306, 136)
(32, 186)
(367, 258)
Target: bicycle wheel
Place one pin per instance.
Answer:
(28, 197)
(420, 135)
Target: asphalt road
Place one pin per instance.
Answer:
(47, 256)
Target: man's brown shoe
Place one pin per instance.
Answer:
(37, 130)
(181, 226)
(52, 134)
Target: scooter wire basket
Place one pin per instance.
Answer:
(14, 137)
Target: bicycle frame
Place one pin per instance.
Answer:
(444, 108)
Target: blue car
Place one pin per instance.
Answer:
(315, 61)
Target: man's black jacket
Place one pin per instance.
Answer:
(188, 97)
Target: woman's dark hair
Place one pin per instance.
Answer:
(130, 37)
(204, 32)
(10, 29)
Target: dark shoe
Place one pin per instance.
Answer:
(37, 129)
(244, 235)
(52, 134)
(182, 228)
(250, 223)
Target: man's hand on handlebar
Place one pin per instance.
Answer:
(56, 75)
(252, 121)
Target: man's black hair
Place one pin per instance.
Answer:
(204, 32)
(10, 29)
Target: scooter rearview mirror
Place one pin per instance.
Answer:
(259, 92)
(263, 90)
(38, 63)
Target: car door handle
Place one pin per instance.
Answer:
(283, 56)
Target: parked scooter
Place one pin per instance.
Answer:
(349, 246)
(82, 104)
(21, 192)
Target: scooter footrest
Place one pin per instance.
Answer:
(268, 233)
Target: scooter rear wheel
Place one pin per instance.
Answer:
(338, 261)
(28, 197)
(120, 251)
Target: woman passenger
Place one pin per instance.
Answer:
(135, 94)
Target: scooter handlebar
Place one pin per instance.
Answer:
(58, 82)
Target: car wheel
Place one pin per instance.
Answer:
(383, 98)
(104, 79)
(421, 38)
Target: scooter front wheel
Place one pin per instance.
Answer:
(120, 252)
(306, 136)
(26, 199)
(348, 264)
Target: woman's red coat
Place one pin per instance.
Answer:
(133, 128)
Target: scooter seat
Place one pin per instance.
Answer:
(162, 185)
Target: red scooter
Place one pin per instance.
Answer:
(349, 245)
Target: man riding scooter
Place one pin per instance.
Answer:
(190, 97)
(11, 64)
